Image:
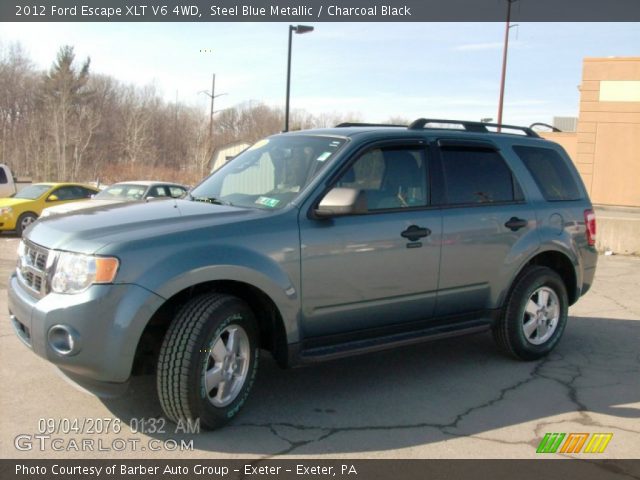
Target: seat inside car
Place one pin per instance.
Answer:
(402, 183)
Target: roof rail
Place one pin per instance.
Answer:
(478, 127)
(546, 125)
(356, 124)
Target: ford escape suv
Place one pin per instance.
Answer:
(312, 245)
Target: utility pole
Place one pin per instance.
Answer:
(212, 96)
(504, 61)
(175, 134)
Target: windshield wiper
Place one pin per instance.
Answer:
(214, 200)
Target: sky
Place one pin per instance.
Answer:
(375, 70)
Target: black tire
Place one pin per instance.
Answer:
(24, 221)
(509, 332)
(186, 353)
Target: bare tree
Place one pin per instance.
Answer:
(64, 94)
(136, 111)
(69, 124)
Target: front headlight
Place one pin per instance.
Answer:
(6, 211)
(76, 272)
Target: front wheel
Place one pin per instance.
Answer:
(24, 221)
(534, 316)
(208, 361)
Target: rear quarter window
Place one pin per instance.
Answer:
(550, 172)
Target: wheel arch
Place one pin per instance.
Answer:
(272, 332)
(26, 212)
(558, 261)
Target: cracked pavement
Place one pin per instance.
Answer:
(453, 398)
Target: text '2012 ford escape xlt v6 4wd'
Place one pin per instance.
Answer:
(312, 245)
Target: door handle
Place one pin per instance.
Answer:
(414, 232)
(515, 223)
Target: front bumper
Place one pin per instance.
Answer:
(107, 319)
(7, 222)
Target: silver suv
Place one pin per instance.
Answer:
(312, 245)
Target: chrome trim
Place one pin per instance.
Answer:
(35, 267)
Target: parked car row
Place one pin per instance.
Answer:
(121, 193)
(46, 199)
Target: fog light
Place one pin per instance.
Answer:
(64, 340)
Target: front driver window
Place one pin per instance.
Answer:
(392, 177)
(271, 173)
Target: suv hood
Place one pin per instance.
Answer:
(89, 230)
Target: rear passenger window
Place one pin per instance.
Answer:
(473, 176)
(550, 172)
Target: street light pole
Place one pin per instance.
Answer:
(504, 61)
(213, 90)
(298, 29)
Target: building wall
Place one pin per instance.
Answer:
(608, 136)
(222, 154)
(568, 141)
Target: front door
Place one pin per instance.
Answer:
(381, 268)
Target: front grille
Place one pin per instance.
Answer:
(33, 267)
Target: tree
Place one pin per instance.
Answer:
(137, 111)
(17, 109)
(65, 99)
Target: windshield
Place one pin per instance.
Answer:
(122, 192)
(270, 174)
(32, 192)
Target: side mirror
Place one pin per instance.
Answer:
(53, 198)
(342, 201)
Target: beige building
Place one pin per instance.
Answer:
(225, 153)
(606, 148)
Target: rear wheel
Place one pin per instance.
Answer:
(535, 314)
(24, 221)
(208, 361)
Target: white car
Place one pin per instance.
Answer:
(120, 193)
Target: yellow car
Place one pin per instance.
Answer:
(21, 210)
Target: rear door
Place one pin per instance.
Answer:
(360, 272)
(487, 225)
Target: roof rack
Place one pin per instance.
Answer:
(478, 127)
(546, 125)
(356, 124)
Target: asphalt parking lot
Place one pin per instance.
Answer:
(455, 398)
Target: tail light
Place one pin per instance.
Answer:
(590, 223)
